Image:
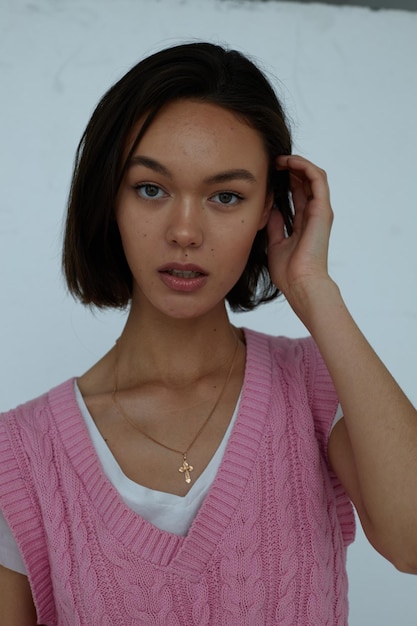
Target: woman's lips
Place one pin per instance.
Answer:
(183, 277)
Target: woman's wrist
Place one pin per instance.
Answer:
(316, 301)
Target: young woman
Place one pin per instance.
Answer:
(201, 473)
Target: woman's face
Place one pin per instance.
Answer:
(191, 202)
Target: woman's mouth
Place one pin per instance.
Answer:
(184, 273)
(185, 278)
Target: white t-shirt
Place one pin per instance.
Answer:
(166, 511)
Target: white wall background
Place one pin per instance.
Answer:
(349, 81)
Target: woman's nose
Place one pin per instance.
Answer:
(185, 226)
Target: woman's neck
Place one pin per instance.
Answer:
(175, 352)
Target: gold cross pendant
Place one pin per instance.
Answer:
(185, 469)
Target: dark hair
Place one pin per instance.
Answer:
(94, 263)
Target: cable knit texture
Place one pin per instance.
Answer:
(268, 545)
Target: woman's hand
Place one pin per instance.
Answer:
(298, 264)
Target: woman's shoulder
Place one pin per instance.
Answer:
(32, 412)
(283, 347)
(296, 357)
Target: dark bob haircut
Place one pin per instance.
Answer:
(94, 263)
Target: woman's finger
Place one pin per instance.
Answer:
(305, 174)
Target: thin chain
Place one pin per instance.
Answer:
(185, 468)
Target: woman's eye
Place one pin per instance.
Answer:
(227, 197)
(149, 191)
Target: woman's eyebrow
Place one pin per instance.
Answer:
(228, 175)
(220, 177)
(149, 163)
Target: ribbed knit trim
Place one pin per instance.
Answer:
(324, 408)
(186, 556)
(21, 502)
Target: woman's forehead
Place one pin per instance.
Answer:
(198, 126)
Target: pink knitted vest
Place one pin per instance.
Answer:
(268, 545)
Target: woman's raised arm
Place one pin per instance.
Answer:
(374, 449)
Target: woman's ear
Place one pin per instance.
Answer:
(269, 204)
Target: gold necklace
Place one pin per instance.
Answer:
(185, 468)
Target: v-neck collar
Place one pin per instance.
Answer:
(189, 555)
